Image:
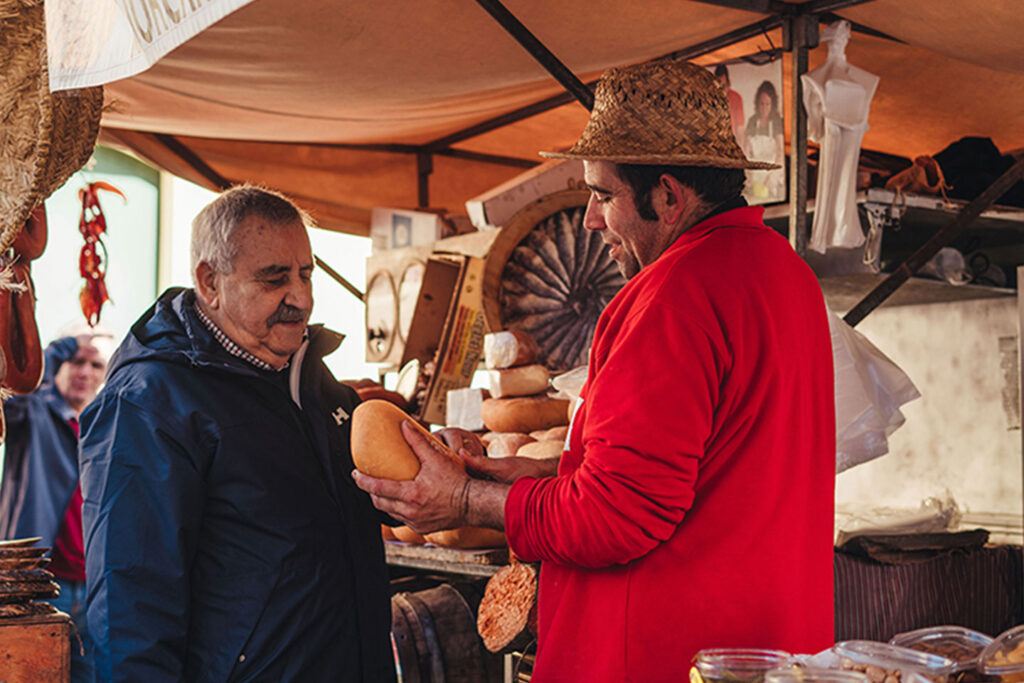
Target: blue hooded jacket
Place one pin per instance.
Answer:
(40, 455)
(225, 539)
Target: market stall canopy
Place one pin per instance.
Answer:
(342, 105)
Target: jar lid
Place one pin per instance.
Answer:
(893, 657)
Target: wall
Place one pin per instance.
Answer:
(963, 434)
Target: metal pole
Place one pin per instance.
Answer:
(543, 55)
(337, 277)
(424, 167)
(797, 38)
(940, 239)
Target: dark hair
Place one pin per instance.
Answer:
(767, 88)
(722, 70)
(713, 186)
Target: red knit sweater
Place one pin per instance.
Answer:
(694, 507)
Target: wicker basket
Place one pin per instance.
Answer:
(44, 137)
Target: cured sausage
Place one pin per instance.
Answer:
(19, 336)
(31, 241)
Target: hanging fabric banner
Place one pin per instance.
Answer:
(92, 42)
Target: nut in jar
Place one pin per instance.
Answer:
(884, 663)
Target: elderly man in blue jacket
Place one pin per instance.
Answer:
(225, 540)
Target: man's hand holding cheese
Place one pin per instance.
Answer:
(432, 494)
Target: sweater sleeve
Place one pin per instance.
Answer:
(142, 512)
(649, 414)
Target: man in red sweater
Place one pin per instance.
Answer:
(693, 507)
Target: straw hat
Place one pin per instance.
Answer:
(664, 112)
(44, 136)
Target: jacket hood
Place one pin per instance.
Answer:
(171, 331)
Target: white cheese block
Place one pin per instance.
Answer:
(462, 409)
(522, 381)
(507, 349)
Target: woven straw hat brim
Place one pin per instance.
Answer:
(661, 112)
(666, 159)
(44, 137)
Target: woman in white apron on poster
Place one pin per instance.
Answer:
(764, 142)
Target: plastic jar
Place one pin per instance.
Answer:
(962, 645)
(884, 663)
(1003, 659)
(735, 665)
(799, 674)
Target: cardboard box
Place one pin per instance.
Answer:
(448, 328)
(493, 208)
(397, 228)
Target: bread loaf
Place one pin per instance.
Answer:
(506, 444)
(378, 447)
(525, 380)
(540, 450)
(468, 538)
(508, 349)
(523, 414)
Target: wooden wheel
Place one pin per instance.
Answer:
(550, 277)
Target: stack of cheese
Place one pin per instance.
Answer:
(520, 416)
(24, 579)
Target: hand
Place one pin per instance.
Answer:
(459, 439)
(507, 470)
(437, 498)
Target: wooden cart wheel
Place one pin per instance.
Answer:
(549, 276)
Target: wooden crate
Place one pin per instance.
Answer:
(35, 649)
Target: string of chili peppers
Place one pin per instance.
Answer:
(91, 262)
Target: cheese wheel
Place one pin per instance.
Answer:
(525, 380)
(467, 538)
(506, 444)
(407, 535)
(378, 447)
(554, 434)
(524, 413)
(540, 450)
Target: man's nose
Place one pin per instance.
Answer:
(300, 294)
(592, 218)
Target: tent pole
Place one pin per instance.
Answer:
(424, 167)
(799, 32)
(926, 251)
(538, 51)
(181, 151)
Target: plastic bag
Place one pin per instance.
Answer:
(869, 390)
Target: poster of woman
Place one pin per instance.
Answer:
(754, 92)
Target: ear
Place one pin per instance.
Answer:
(206, 285)
(675, 199)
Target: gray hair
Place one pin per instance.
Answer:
(214, 228)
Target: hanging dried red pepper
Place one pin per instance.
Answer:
(91, 262)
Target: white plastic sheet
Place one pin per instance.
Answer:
(92, 42)
(869, 390)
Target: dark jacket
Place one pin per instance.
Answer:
(225, 539)
(40, 456)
